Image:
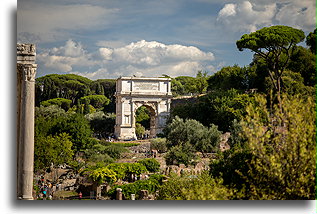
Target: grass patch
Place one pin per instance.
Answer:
(65, 194)
(126, 144)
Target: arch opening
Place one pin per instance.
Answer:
(145, 124)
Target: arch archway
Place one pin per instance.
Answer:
(145, 117)
(132, 93)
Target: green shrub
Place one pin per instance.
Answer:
(126, 144)
(101, 158)
(60, 102)
(180, 155)
(152, 185)
(115, 151)
(194, 187)
(151, 164)
(159, 144)
(124, 170)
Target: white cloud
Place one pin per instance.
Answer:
(145, 58)
(106, 53)
(227, 10)
(65, 57)
(142, 58)
(299, 14)
(245, 17)
(154, 53)
(249, 16)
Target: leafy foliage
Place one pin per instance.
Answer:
(139, 130)
(97, 101)
(143, 116)
(124, 170)
(311, 41)
(185, 85)
(152, 185)
(231, 77)
(194, 187)
(151, 164)
(201, 82)
(102, 175)
(105, 153)
(283, 150)
(60, 102)
(52, 150)
(102, 124)
(77, 127)
(53, 120)
(217, 107)
(115, 150)
(293, 83)
(303, 61)
(158, 144)
(68, 86)
(186, 137)
(180, 154)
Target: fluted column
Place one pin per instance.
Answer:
(26, 71)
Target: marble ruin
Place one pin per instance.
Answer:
(26, 70)
(134, 92)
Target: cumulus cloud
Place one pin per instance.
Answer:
(142, 58)
(153, 53)
(249, 16)
(153, 58)
(299, 14)
(65, 57)
(244, 17)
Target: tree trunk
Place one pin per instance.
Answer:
(279, 93)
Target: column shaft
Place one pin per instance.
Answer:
(26, 131)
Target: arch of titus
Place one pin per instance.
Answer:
(134, 92)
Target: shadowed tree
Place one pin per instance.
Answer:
(311, 41)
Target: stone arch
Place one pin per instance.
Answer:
(132, 93)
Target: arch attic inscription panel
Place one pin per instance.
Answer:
(134, 92)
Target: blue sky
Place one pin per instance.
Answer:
(112, 38)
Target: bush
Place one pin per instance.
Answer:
(151, 164)
(186, 137)
(60, 102)
(158, 144)
(124, 170)
(139, 130)
(180, 155)
(52, 150)
(101, 159)
(283, 164)
(102, 175)
(115, 151)
(194, 187)
(152, 185)
(127, 144)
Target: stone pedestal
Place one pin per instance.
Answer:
(26, 70)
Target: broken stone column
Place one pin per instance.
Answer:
(26, 70)
(119, 194)
(132, 197)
